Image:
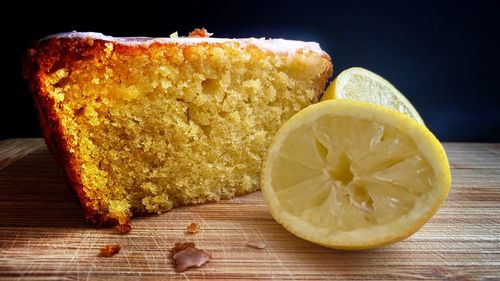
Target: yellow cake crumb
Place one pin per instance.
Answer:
(168, 126)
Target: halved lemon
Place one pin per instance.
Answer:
(354, 175)
(359, 84)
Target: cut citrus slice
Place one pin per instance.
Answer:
(359, 84)
(354, 175)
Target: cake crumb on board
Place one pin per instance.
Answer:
(192, 228)
(124, 228)
(186, 256)
(256, 244)
(110, 250)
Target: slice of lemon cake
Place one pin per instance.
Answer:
(143, 125)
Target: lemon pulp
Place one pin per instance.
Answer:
(353, 175)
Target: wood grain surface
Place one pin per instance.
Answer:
(43, 235)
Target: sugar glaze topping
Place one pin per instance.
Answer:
(272, 45)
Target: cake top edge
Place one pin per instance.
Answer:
(273, 45)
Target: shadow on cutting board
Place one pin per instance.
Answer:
(33, 193)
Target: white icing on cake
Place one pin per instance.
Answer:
(272, 45)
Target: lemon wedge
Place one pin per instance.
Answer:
(359, 84)
(353, 175)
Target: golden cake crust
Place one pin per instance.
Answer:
(47, 56)
(55, 52)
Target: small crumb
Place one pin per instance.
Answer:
(124, 228)
(174, 35)
(186, 255)
(193, 228)
(200, 32)
(256, 244)
(181, 246)
(110, 250)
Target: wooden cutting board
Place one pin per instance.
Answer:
(43, 236)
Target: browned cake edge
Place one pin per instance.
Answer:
(46, 57)
(50, 55)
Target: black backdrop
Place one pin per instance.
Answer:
(443, 55)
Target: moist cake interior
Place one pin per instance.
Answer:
(151, 128)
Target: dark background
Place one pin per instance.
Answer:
(443, 55)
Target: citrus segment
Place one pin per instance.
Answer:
(359, 84)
